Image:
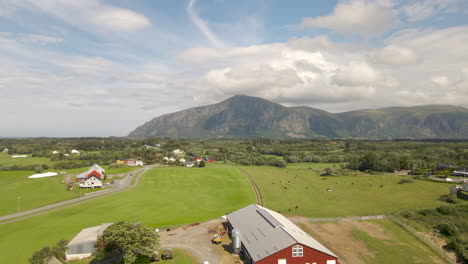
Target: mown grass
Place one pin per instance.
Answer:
(165, 196)
(399, 247)
(8, 160)
(285, 189)
(16, 190)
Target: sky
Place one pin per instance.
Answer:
(103, 67)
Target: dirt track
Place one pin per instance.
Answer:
(197, 240)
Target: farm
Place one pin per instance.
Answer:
(297, 190)
(164, 197)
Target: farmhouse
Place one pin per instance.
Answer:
(267, 237)
(83, 176)
(93, 180)
(182, 160)
(6, 150)
(189, 164)
(74, 151)
(462, 171)
(177, 151)
(83, 245)
(131, 162)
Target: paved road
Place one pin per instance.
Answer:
(124, 184)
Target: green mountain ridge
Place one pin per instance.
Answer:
(249, 117)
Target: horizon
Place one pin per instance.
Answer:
(96, 68)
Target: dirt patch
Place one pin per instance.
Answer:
(197, 240)
(339, 239)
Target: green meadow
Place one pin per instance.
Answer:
(398, 246)
(298, 190)
(17, 191)
(164, 197)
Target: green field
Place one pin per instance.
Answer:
(398, 247)
(284, 189)
(17, 190)
(164, 196)
(8, 160)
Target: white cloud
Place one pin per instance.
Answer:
(440, 80)
(362, 17)
(397, 55)
(119, 19)
(202, 25)
(91, 15)
(31, 38)
(322, 73)
(421, 10)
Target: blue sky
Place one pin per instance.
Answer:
(101, 68)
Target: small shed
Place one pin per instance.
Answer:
(83, 245)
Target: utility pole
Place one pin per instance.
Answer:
(19, 204)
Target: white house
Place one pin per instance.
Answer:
(74, 151)
(172, 160)
(134, 162)
(189, 164)
(91, 182)
(6, 150)
(85, 175)
(166, 158)
(55, 152)
(178, 151)
(182, 160)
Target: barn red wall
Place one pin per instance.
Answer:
(310, 256)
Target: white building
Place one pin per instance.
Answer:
(6, 150)
(55, 152)
(91, 182)
(182, 160)
(83, 245)
(74, 151)
(178, 151)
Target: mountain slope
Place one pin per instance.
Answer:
(248, 117)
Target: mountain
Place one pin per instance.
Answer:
(250, 117)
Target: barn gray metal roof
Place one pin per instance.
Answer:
(265, 232)
(85, 241)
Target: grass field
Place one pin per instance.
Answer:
(165, 196)
(397, 247)
(284, 189)
(369, 242)
(32, 193)
(8, 160)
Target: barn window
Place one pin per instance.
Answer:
(297, 251)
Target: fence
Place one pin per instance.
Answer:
(340, 219)
(441, 253)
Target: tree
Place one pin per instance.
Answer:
(58, 251)
(127, 239)
(38, 169)
(201, 164)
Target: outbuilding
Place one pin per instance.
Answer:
(267, 237)
(83, 245)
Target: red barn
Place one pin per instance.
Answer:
(268, 237)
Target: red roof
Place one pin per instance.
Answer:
(95, 174)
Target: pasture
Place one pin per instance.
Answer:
(164, 197)
(8, 160)
(297, 190)
(16, 190)
(367, 242)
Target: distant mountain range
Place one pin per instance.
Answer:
(251, 117)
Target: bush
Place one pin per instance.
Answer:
(403, 181)
(279, 163)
